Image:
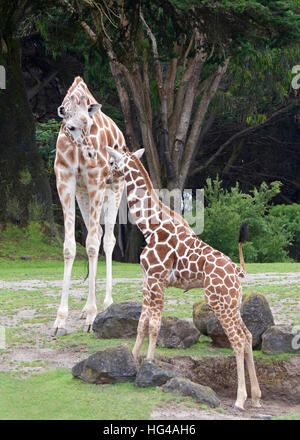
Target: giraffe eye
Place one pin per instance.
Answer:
(70, 127)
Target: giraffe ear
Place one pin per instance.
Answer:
(113, 153)
(139, 153)
(93, 108)
(61, 111)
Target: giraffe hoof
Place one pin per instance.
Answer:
(59, 332)
(256, 404)
(240, 408)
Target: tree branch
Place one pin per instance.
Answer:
(207, 97)
(240, 134)
(38, 87)
(163, 97)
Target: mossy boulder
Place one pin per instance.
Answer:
(201, 313)
(114, 364)
(119, 320)
(154, 373)
(256, 314)
(281, 339)
(177, 333)
(186, 387)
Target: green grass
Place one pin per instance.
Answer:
(287, 417)
(57, 395)
(33, 240)
(201, 348)
(272, 267)
(47, 270)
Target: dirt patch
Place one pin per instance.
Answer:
(268, 410)
(279, 382)
(271, 278)
(279, 379)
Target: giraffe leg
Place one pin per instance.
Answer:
(68, 204)
(255, 389)
(84, 204)
(237, 339)
(92, 249)
(109, 242)
(142, 329)
(110, 209)
(90, 304)
(155, 311)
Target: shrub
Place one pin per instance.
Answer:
(46, 137)
(290, 215)
(269, 235)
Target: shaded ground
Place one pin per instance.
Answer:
(28, 309)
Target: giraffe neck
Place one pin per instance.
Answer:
(144, 205)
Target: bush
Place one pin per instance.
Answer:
(290, 215)
(269, 235)
(46, 137)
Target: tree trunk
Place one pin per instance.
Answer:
(134, 245)
(25, 193)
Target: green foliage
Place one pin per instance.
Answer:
(290, 215)
(269, 235)
(257, 84)
(46, 136)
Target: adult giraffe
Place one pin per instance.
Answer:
(175, 256)
(81, 168)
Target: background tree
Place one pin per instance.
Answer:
(26, 192)
(169, 58)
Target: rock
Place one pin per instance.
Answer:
(26, 257)
(201, 313)
(256, 314)
(114, 364)
(280, 339)
(119, 320)
(177, 333)
(154, 373)
(216, 333)
(186, 387)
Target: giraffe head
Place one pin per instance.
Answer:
(77, 116)
(120, 163)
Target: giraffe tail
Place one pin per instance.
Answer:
(243, 235)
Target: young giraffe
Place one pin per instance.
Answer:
(81, 167)
(175, 256)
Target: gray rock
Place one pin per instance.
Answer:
(26, 257)
(280, 339)
(186, 387)
(201, 314)
(114, 364)
(256, 314)
(216, 333)
(119, 320)
(154, 373)
(177, 333)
